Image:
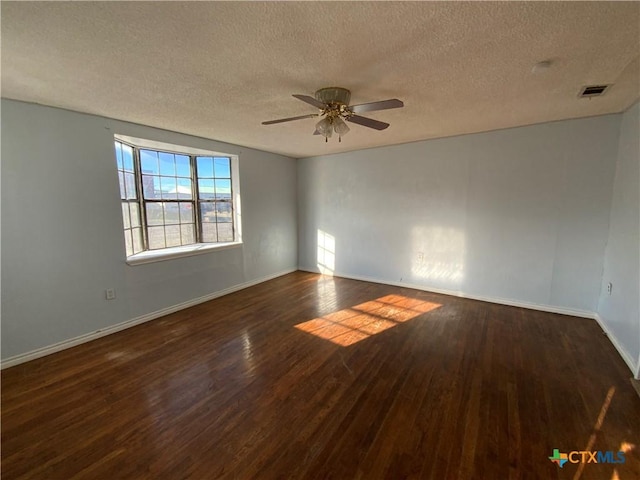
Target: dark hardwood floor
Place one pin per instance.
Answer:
(313, 377)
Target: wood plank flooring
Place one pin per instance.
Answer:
(316, 377)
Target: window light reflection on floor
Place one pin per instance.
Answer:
(351, 325)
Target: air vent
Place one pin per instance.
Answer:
(593, 90)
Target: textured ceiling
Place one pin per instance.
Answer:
(217, 69)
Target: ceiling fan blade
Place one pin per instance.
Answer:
(367, 122)
(317, 132)
(382, 105)
(310, 101)
(281, 120)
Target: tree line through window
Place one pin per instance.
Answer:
(171, 199)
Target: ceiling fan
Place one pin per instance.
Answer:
(333, 103)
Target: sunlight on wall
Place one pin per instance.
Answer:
(326, 253)
(350, 325)
(438, 253)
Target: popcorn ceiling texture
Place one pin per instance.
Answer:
(217, 69)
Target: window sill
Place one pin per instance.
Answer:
(152, 256)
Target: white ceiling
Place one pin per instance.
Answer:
(217, 69)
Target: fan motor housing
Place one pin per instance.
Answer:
(333, 95)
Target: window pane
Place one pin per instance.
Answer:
(149, 162)
(169, 188)
(167, 164)
(222, 167)
(171, 214)
(223, 212)
(205, 189)
(207, 212)
(137, 240)
(125, 215)
(128, 243)
(225, 232)
(188, 234)
(123, 193)
(184, 189)
(205, 166)
(209, 232)
(127, 158)
(172, 233)
(119, 155)
(169, 195)
(154, 213)
(134, 208)
(183, 166)
(151, 187)
(223, 189)
(130, 184)
(156, 237)
(186, 212)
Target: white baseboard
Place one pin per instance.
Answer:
(635, 367)
(616, 343)
(456, 293)
(41, 352)
(72, 342)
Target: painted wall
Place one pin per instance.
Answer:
(62, 242)
(620, 311)
(518, 215)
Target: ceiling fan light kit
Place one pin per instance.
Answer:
(333, 103)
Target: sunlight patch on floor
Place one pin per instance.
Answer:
(596, 428)
(351, 325)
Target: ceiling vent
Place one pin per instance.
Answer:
(593, 91)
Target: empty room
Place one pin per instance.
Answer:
(320, 240)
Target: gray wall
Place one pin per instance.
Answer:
(62, 242)
(516, 215)
(620, 311)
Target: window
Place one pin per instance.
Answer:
(174, 199)
(129, 199)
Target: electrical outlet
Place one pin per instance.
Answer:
(420, 257)
(609, 288)
(110, 294)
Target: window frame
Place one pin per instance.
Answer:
(147, 255)
(128, 230)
